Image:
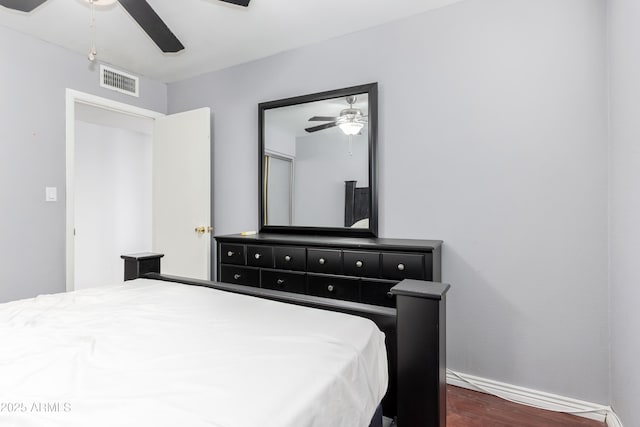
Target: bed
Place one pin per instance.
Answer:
(415, 336)
(357, 203)
(160, 350)
(158, 353)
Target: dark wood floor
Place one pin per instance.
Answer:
(466, 408)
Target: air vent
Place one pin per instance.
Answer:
(113, 79)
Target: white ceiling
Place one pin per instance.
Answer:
(216, 35)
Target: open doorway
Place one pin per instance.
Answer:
(113, 186)
(99, 131)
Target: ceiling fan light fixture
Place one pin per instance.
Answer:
(351, 127)
(350, 121)
(101, 2)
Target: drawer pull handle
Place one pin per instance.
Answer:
(287, 258)
(257, 256)
(330, 288)
(321, 261)
(236, 276)
(401, 267)
(230, 253)
(359, 264)
(280, 281)
(389, 295)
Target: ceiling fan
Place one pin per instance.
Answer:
(350, 121)
(139, 10)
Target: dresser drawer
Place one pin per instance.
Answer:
(240, 275)
(287, 281)
(232, 254)
(377, 292)
(334, 287)
(260, 256)
(363, 264)
(403, 266)
(324, 261)
(290, 258)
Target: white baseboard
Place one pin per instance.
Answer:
(535, 398)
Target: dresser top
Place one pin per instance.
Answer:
(332, 241)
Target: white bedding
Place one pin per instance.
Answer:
(150, 353)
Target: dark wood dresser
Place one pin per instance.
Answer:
(351, 269)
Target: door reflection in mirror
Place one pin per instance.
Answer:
(278, 170)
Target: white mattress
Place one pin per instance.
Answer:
(150, 353)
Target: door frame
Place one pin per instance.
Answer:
(73, 97)
(292, 160)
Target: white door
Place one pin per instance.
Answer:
(181, 195)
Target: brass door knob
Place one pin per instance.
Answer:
(202, 229)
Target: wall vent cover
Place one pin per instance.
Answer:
(113, 79)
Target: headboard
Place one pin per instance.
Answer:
(356, 203)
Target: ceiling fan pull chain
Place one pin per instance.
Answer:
(92, 30)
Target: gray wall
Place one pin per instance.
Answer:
(33, 79)
(323, 164)
(492, 138)
(624, 305)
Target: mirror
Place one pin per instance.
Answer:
(318, 163)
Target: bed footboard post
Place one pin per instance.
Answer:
(137, 265)
(421, 341)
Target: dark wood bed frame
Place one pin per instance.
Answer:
(415, 335)
(356, 203)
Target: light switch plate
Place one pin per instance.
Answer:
(51, 194)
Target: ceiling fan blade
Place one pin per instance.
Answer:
(321, 127)
(244, 3)
(21, 5)
(151, 23)
(322, 119)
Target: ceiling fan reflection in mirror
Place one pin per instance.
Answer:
(139, 10)
(350, 121)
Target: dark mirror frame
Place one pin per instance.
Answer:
(371, 90)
